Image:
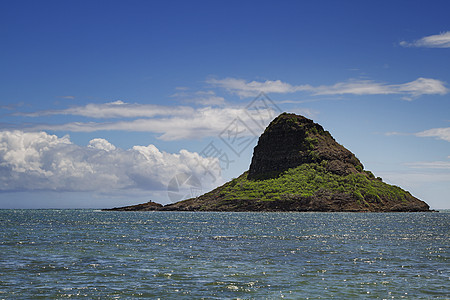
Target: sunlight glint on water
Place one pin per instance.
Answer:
(76, 253)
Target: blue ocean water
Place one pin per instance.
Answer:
(174, 255)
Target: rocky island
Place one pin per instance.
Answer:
(298, 166)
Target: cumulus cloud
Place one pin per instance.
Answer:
(31, 161)
(101, 144)
(413, 89)
(441, 40)
(439, 133)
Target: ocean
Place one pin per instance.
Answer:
(55, 254)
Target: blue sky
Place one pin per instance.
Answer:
(107, 103)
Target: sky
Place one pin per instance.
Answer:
(112, 103)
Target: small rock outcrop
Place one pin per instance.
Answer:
(150, 205)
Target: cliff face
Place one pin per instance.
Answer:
(298, 166)
(291, 140)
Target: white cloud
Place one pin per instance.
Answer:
(200, 123)
(207, 98)
(39, 161)
(101, 144)
(422, 86)
(441, 40)
(430, 165)
(440, 133)
(393, 133)
(116, 109)
(416, 88)
(249, 89)
(204, 98)
(355, 87)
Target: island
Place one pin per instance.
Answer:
(299, 166)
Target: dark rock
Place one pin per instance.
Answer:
(150, 205)
(291, 140)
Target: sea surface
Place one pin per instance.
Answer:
(49, 254)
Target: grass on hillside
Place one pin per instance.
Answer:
(307, 179)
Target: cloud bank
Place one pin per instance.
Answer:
(186, 123)
(33, 161)
(116, 109)
(249, 89)
(444, 165)
(441, 40)
(416, 88)
(420, 86)
(191, 124)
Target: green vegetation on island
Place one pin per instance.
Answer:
(309, 179)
